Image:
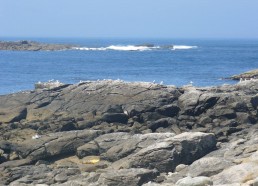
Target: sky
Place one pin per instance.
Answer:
(129, 18)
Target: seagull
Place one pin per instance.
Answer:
(36, 136)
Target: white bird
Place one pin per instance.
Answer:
(36, 136)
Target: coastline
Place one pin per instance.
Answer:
(107, 129)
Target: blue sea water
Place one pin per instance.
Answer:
(204, 62)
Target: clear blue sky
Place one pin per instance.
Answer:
(129, 18)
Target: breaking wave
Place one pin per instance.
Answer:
(183, 47)
(136, 47)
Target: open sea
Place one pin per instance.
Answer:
(202, 62)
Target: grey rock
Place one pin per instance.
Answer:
(27, 174)
(122, 177)
(237, 174)
(16, 163)
(254, 101)
(167, 154)
(196, 181)
(208, 166)
(62, 143)
(114, 109)
(164, 123)
(223, 112)
(115, 146)
(89, 149)
(255, 183)
(180, 167)
(115, 117)
(62, 177)
(168, 110)
(205, 102)
(189, 100)
(129, 110)
(13, 115)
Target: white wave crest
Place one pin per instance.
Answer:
(183, 47)
(87, 48)
(135, 48)
(128, 48)
(120, 48)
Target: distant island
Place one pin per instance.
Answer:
(25, 45)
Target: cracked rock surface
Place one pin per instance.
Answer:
(118, 133)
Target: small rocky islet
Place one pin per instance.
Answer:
(252, 74)
(25, 45)
(118, 133)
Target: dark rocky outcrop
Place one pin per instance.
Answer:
(253, 74)
(117, 133)
(31, 46)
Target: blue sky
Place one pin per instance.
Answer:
(129, 18)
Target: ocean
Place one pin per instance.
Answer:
(201, 62)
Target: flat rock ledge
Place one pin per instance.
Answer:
(118, 133)
(32, 46)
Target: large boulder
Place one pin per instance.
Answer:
(189, 100)
(165, 155)
(197, 181)
(115, 117)
(170, 110)
(115, 146)
(123, 177)
(237, 174)
(208, 166)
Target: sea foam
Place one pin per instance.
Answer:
(135, 48)
(183, 47)
(129, 48)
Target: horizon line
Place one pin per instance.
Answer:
(130, 37)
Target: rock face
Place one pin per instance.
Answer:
(57, 144)
(117, 133)
(31, 46)
(166, 154)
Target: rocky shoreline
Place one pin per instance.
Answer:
(32, 46)
(117, 133)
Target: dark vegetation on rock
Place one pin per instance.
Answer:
(117, 133)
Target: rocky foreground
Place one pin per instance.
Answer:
(31, 46)
(115, 133)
